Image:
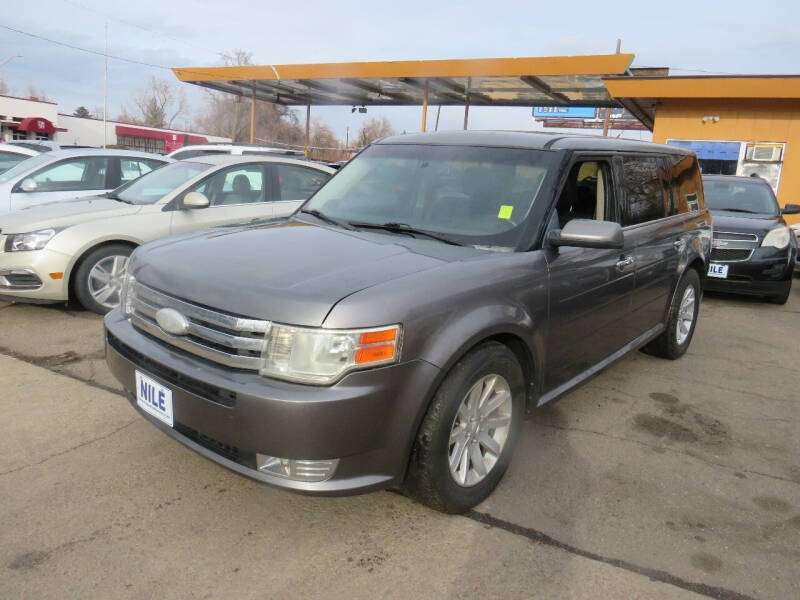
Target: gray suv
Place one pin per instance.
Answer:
(395, 331)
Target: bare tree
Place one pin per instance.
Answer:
(374, 129)
(3, 87)
(35, 94)
(324, 143)
(229, 115)
(157, 104)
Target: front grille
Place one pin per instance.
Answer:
(189, 384)
(229, 451)
(730, 246)
(730, 254)
(220, 337)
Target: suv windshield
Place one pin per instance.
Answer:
(740, 195)
(153, 186)
(472, 195)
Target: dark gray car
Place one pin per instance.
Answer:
(396, 330)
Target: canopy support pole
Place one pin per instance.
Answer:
(308, 127)
(425, 108)
(253, 115)
(466, 103)
(438, 112)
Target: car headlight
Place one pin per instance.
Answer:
(35, 240)
(777, 238)
(320, 356)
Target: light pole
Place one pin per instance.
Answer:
(5, 60)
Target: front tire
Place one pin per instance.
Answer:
(98, 279)
(783, 297)
(673, 342)
(466, 439)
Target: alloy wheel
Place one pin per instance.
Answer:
(105, 280)
(480, 430)
(685, 315)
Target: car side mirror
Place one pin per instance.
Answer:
(28, 185)
(791, 209)
(588, 233)
(196, 200)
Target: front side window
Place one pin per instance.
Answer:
(584, 193)
(25, 167)
(237, 185)
(740, 195)
(156, 184)
(472, 195)
(298, 183)
(645, 193)
(75, 174)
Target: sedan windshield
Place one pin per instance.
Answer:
(9, 159)
(153, 186)
(740, 195)
(27, 165)
(469, 195)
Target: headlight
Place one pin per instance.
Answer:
(36, 240)
(777, 238)
(126, 295)
(320, 356)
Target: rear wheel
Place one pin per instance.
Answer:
(681, 319)
(98, 279)
(467, 437)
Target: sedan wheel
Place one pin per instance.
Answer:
(105, 280)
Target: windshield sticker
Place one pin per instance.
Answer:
(505, 212)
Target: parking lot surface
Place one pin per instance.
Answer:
(657, 479)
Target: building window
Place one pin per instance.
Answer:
(129, 142)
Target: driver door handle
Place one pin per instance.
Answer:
(625, 262)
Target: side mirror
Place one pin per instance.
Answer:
(588, 233)
(789, 209)
(196, 200)
(28, 185)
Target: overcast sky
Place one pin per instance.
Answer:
(689, 37)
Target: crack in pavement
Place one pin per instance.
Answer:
(654, 574)
(71, 449)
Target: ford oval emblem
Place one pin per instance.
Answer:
(171, 321)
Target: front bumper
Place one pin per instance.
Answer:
(38, 264)
(768, 271)
(368, 420)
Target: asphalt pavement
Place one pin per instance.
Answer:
(657, 479)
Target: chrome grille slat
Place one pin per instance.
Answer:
(211, 335)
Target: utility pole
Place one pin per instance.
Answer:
(607, 119)
(105, 89)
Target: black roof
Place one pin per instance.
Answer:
(532, 139)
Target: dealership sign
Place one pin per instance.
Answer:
(564, 112)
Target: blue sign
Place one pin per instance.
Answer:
(564, 112)
(710, 150)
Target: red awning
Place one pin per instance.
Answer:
(157, 135)
(37, 125)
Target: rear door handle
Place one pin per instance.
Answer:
(623, 263)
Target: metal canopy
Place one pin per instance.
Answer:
(542, 81)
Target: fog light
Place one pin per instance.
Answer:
(295, 469)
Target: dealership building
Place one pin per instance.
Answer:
(31, 119)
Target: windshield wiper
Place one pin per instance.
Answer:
(117, 198)
(404, 228)
(741, 210)
(323, 217)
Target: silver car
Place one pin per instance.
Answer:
(78, 249)
(67, 174)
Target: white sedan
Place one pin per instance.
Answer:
(67, 174)
(78, 249)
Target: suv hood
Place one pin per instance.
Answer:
(289, 272)
(64, 213)
(739, 223)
